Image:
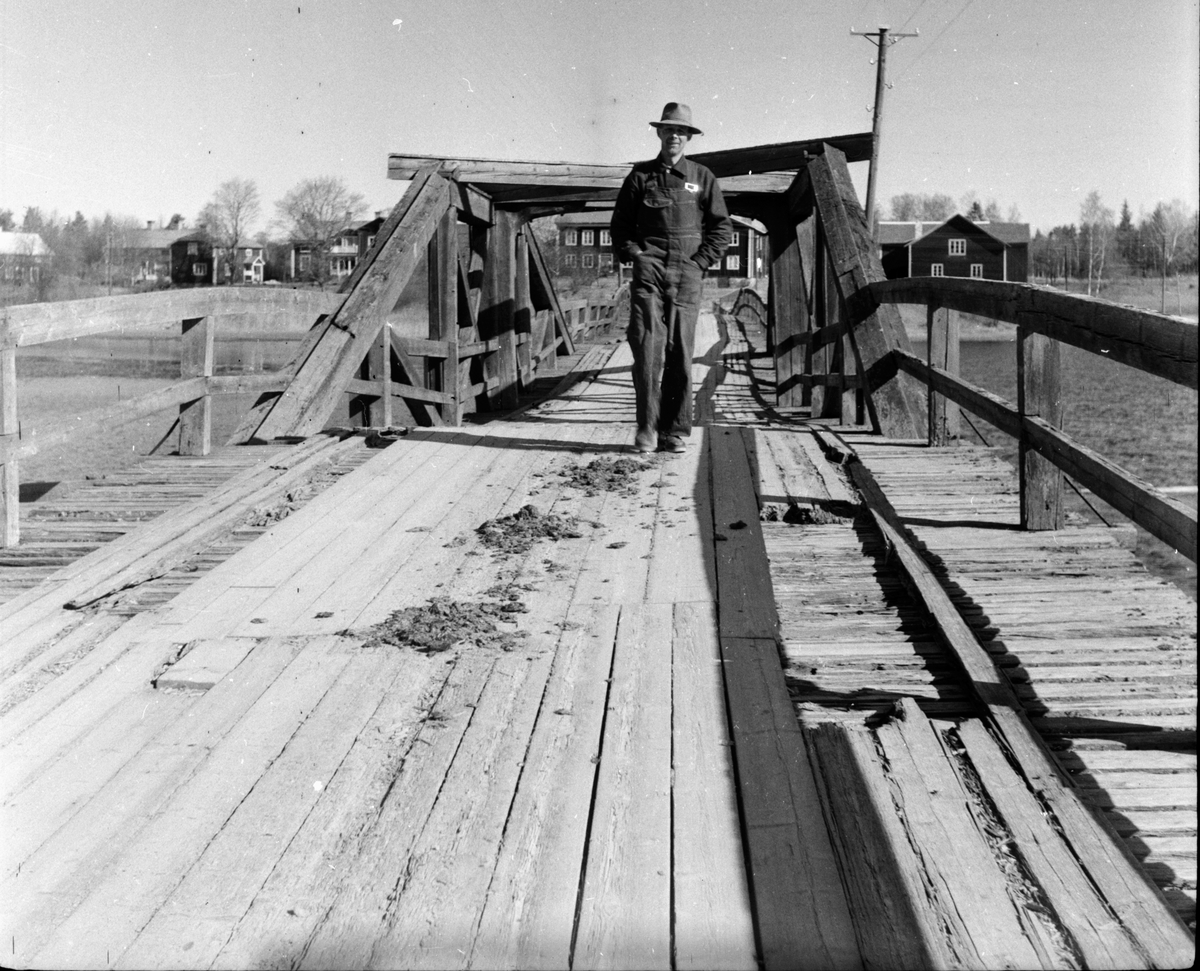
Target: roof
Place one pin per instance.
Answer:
(902, 233)
(22, 244)
(138, 239)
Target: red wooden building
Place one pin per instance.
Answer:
(956, 247)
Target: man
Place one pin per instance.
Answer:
(670, 221)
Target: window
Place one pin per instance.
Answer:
(249, 253)
(937, 270)
(958, 247)
(193, 249)
(737, 238)
(370, 241)
(605, 238)
(589, 237)
(606, 259)
(569, 259)
(733, 262)
(976, 271)
(570, 238)
(303, 262)
(589, 259)
(199, 269)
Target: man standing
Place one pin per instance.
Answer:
(670, 221)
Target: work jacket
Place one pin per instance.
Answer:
(671, 212)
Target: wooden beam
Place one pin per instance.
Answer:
(1154, 343)
(544, 296)
(522, 306)
(789, 316)
(196, 361)
(942, 341)
(320, 379)
(497, 309)
(409, 392)
(894, 403)
(444, 313)
(38, 323)
(1039, 393)
(414, 374)
(474, 205)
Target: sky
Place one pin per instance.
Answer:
(143, 108)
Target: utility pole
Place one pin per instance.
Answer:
(881, 39)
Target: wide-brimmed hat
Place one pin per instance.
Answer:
(676, 114)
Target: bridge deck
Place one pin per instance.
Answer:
(294, 793)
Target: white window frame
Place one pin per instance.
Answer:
(199, 269)
(605, 238)
(606, 259)
(733, 262)
(589, 238)
(589, 260)
(737, 239)
(976, 271)
(569, 259)
(937, 269)
(958, 247)
(570, 237)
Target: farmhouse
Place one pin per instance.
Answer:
(191, 260)
(956, 247)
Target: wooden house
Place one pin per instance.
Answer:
(245, 265)
(147, 254)
(22, 256)
(192, 260)
(957, 247)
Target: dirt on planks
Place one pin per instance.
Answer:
(443, 622)
(517, 533)
(295, 498)
(606, 475)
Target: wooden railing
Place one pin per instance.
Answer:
(835, 332)
(199, 314)
(1163, 346)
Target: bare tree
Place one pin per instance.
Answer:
(1167, 226)
(1096, 223)
(313, 213)
(228, 216)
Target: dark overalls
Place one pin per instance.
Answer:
(672, 223)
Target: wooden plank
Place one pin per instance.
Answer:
(196, 360)
(894, 402)
(1039, 394)
(529, 915)
(444, 320)
(544, 296)
(1152, 342)
(39, 323)
(522, 306)
(713, 926)
(318, 381)
(743, 573)
(950, 845)
(625, 910)
(906, 927)
(802, 912)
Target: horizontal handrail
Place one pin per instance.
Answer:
(22, 325)
(1171, 521)
(1155, 343)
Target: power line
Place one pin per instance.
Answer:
(932, 43)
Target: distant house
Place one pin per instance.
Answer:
(585, 242)
(23, 256)
(957, 247)
(192, 260)
(245, 265)
(346, 248)
(146, 253)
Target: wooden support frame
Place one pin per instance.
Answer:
(523, 306)
(444, 315)
(789, 314)
(497, 310)
(895, 402)
(196, 361)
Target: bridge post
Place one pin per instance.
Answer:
(942, 334)
(1039, 393)
(788, 311)
(496, 313)
(196, 361)
(10, 488)
(443, 314)
(523, 308)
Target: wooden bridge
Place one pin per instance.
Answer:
(464, 684)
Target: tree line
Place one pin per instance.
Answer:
(105, 250)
